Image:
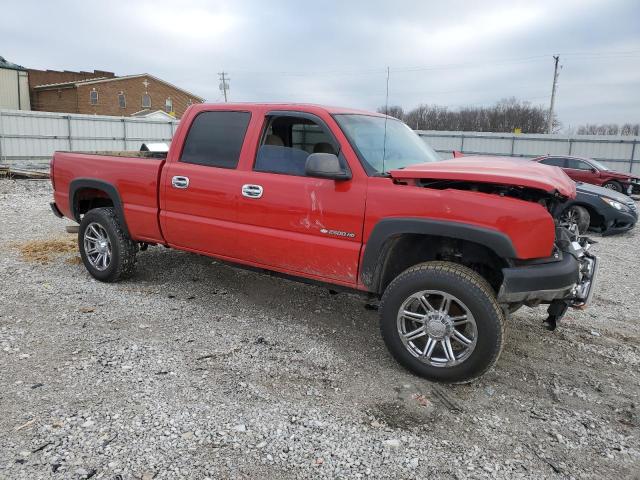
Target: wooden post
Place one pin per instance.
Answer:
(69, 132)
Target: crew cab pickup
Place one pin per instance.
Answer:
(349, 199)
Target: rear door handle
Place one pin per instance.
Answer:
(252, 191)
(180, 182)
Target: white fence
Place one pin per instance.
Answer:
(28, 139)
(619, 153)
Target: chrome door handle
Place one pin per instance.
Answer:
(252, 191)
(180, 182)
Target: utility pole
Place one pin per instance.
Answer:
(224, 84)
(556, 58)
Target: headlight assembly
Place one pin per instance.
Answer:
(615, 204)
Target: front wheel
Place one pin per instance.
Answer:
(441, 321)
(106, 250)
(613, 185)
(579, 216)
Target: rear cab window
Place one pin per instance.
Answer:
(215, 139)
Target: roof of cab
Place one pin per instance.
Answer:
(290, 106)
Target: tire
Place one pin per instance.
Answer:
(579, 216)
(613, 185)
(469, 294)
(102, 224)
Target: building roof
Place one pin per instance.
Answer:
(69, 84)
(10, 66)
(91, 81)
(147, 112)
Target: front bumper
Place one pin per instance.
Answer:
(570, 277)
(632, 187)
(618, 221)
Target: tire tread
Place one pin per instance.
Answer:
(456, 271)
(127, 248)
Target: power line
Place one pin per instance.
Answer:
(421, 68)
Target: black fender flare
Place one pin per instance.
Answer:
(386, 230)
(108, 188)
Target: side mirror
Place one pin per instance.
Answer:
(325, 165)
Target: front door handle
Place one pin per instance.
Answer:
(252, 191)
(180, 182)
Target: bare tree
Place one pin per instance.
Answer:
(504, 116)
(609, 129)
(393, 111)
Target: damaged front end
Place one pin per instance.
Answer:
(566, 279)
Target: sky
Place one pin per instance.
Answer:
(451, 53)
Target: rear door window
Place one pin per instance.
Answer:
(576, 164)
(215, 139)
(555, 162)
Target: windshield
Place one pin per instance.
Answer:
(598, 165)
(401, 148)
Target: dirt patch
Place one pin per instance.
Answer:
(412, 408)
(74, 261)
(43, 251)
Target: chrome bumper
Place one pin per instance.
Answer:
(570, 278)
(584, 290)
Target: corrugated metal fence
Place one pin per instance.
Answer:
(28, 139)
(619, 153)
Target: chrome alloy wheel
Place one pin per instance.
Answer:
(97, 246)
(570, 216)
(437, 328)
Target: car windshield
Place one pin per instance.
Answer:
(385, 143)
(598, 165)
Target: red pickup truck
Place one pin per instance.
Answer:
(349, 199)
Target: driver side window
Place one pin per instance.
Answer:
(287, 142)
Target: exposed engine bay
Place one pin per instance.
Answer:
(549, 201)
(568, 242)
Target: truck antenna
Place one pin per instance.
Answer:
(386, 115)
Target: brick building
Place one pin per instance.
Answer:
(103, 93)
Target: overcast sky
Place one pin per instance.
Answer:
(450, 53)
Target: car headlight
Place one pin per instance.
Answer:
(615, 204)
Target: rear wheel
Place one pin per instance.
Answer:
(106, 250)
(441, 321)
(613, 185)
(578, 216)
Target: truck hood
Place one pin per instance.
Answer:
(495, 170)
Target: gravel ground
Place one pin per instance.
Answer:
(194, 369)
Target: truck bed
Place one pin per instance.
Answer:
(122, 153)
(134, 177)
